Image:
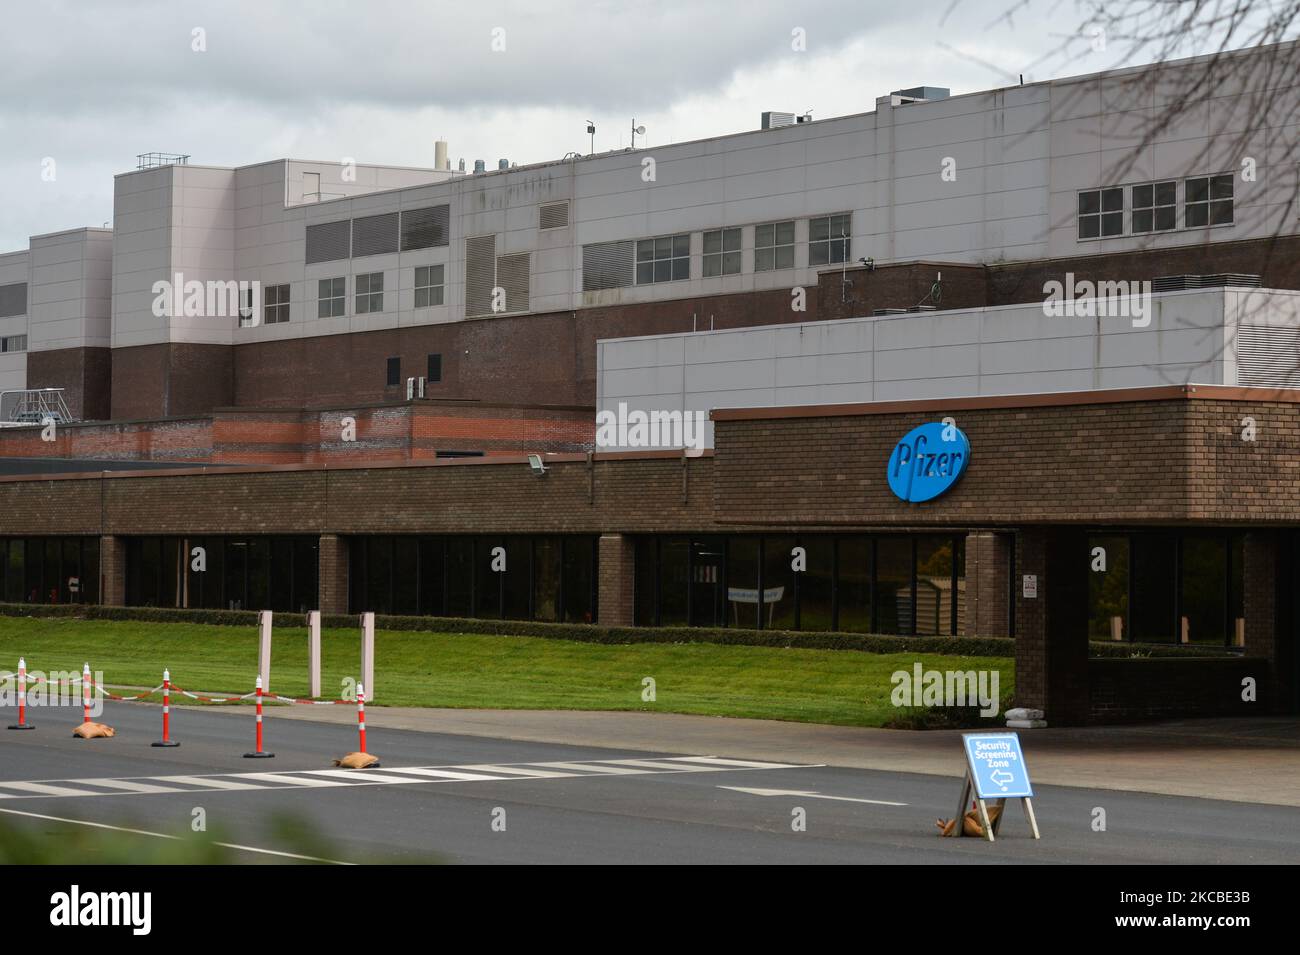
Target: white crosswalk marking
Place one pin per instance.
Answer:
(350, 778)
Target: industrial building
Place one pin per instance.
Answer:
(340, 408)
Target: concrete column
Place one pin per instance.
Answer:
(1052, 628)
(988, 583)
(616, 580)
(112, 571)
(333, 571)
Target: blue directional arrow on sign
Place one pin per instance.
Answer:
(997, 766)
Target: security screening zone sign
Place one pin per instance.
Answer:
(997, 765)
(995, 770)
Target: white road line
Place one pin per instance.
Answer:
(277, 779)
(345, 778)
(130, 785)
(45, 789)
(164, 835)
(804, 794)
(205, 782)
(590, 769)
(738, 763)
(663, 766)
(520, 771)
(445, 774)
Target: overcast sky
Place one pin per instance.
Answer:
(91, 84)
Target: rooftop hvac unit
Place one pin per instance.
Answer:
(889, 311)
(414, 388)
(776, 120)
(924, 308)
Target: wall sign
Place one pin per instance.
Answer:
(1029, 586)
(928, 461)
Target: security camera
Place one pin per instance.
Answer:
(869, 263)
(535, 463)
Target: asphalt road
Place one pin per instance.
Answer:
(597, 806)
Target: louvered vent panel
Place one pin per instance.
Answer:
(480, 274)
(606, 265)
(374, 235)
(329, 241)
(512, 276)
(554, 215)
(425, 228)
(1268, 356)
(13, 299)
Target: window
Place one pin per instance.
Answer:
(1101, 213)
(13, 343)
(275, 304)
(435, 368)
(330, 299)
(13, 299)
(773, 246)
(394, 372)
(665, 259)
(428, 285)
(1155, 207)
(1207, 201)
(370, 292)
(722, 252)
(828, 239)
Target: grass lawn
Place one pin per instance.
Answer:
(467, 670)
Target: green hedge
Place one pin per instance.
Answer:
(1131, 651)
(586, 633)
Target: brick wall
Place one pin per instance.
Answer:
(988, 582)
(1122, 690)
(85, 375)
(616, 580)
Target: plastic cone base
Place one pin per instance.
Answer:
(23, 726)
(259, 756)
(165, 742)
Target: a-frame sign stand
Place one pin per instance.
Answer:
(996, 772)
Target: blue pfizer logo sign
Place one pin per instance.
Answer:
(928, 461)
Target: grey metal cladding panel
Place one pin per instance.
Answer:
(606, 265)
(1268, 356)
(480, 274)
(425, 228)
(374, 235)
(13, 299)
(329, 241)
(513, 273)
(554, 215)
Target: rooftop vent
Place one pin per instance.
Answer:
(480, 165)
(773, 120)
(1178, 283)
(888, 311)
(922, 94)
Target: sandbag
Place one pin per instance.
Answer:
(358, 761)
(93, 731)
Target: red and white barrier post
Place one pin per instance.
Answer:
(22, 723)
(167, 706)
(361, 714)
(260, 753)
(85, 693)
